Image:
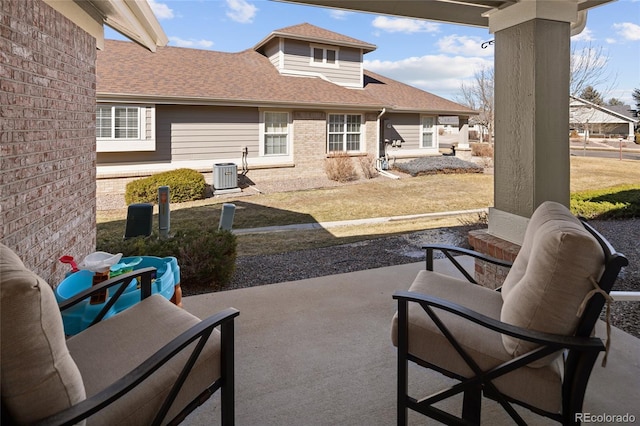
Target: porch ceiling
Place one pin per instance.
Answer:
(465, 12)
(132, 18)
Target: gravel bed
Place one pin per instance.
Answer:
(260, 270)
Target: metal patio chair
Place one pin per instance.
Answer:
(151, 364)
(530, 343)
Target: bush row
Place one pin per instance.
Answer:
(620, 202)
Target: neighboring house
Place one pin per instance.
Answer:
(603, 120)
(283, 106)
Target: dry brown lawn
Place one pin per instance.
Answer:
(376, 198)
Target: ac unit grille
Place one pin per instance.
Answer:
(225, 176)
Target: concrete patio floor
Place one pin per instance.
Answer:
(318, 352)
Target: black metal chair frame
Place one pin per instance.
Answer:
(580, 351)
(199, 333)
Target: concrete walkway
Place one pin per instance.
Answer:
(318, 352)
(354, 222)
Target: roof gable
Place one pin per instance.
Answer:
(622, 112)
(308, 32)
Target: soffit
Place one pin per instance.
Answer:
(465, 12)
(132, 18)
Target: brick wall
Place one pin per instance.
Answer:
(488, 274)
(47, 136)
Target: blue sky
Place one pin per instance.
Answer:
(432, 56)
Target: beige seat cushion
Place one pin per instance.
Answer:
(543, 385)
(550, 277)
(104, 353)
(39, 377)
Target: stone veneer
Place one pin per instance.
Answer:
(487, 274)
(47, 136)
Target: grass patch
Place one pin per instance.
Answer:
(375, 198)
(619, 202)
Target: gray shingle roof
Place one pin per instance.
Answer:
(310, 32)
(173, 74)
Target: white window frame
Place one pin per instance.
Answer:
(433, 131)
(140, 121)
(265, 133)
(141, 142)
(345, 132)
(324, 62)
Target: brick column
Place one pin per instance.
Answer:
(488, 274)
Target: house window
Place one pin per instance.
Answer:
(118, 122)
(428, 132)
(324, 56)
(276, 130)
(344, 132)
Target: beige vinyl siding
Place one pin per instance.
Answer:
(405, 127)
(297, 56)
(199, 133)
(272, 51)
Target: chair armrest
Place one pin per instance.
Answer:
(447, 250)
(555, 341)
(112, 393)
(123, 280)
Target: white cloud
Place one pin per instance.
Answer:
(439, 74)
(464, 45)
(404, 25)
(202, 44)
(241, 11)
(161, 10)
(585, 35)
(339, 14)
(628, 31)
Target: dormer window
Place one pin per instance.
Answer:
(324, 56)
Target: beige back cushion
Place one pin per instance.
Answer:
(39, 377)
(551, 276)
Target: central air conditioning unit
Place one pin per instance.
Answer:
(225, 176)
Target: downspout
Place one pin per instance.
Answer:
(381, 143)
(380, 136)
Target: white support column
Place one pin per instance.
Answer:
(463, 132)
(531, 111)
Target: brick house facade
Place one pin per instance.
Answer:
(48, 141)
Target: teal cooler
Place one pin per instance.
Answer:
(78, 317)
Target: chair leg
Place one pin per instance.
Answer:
(472, 405)
(227, 366)
(575, 385)
(403, 363)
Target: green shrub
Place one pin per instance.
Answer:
(207, 258)
(620, 202)
(184, 184)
